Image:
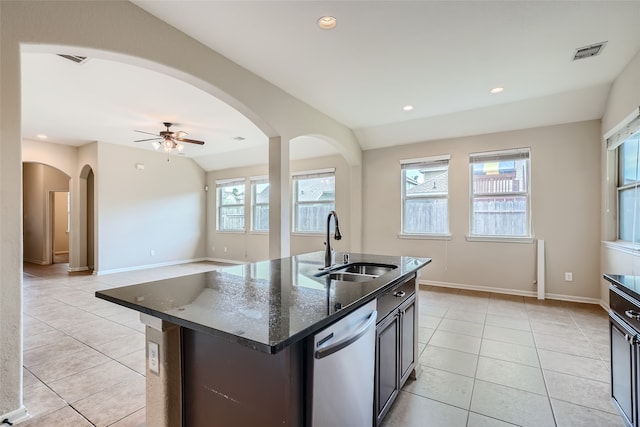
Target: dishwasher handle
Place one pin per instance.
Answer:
(350, 339)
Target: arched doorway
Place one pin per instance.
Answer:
(46, 211)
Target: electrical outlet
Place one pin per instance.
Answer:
(152, 252)
(225, 249)
(568, 276)
(154, 357)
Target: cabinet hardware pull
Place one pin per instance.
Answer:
(399, 294)
(631, 314)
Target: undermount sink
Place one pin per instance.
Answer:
(368, 269)
(351, 277)
(357, 272)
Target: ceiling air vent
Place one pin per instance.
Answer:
(588, 51)
(75, 58)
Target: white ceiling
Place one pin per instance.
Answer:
(441, 57)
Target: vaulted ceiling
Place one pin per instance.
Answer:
(442, 58)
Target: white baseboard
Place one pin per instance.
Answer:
(143, 267)
(17, 416)
(35, 261)
(227, 261)
(60, 252)
(76, 269)
(532, 294)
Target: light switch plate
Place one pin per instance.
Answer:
(154, 357)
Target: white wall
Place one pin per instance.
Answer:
(624, 98)
(149, 216)
(565, 212)
(250, 246)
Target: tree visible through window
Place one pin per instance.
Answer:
(314, 196)
(230, 205)
(425, 194)
(500, 193)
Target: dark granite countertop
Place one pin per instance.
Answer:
(266, 305)
(627, 284)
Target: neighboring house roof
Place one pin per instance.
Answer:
(434, 182)
(316, 189)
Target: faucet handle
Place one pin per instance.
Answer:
(345, 258)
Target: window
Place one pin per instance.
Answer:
(314, 195)
(425, 196)
(260, 204)
(230, 205)
(500, 193)
(628, 154)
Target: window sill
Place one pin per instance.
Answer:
(231, 231)
(425, 236)
(309, 234)
(500, 239)
(625, 247)
(261, 233)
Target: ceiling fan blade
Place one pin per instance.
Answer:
(143, 140)
(191, 141)
(180, 134)
(148, 133)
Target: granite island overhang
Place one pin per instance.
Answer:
(268, 308)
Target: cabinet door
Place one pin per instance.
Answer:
(387, 368)
(623, 355)
(407, 338)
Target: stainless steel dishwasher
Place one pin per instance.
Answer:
(343, 371)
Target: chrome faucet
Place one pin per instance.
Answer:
(337, 236)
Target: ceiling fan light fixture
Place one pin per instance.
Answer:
(168, 140)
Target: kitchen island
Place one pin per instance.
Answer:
(234, 342)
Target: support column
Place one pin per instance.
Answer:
(279, 198)
(11, 404)
(356, 208)
(164, 373)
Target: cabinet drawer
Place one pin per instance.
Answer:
(625, 306)
(395, 297)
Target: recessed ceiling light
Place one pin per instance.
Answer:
(42, 136)
(327, 22)
(407, 107)
(496, 90)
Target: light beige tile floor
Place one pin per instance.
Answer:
(498, 360)
(84, 359)
(486, 359)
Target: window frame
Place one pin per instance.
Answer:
(629, 127)
(432, 161)
(514, 154)
(254, 182)
(623, 187)
(220, 184)
(295, 178)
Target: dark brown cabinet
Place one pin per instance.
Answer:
(624, 324)
(624, 362)
(395, 346)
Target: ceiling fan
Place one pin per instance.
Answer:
(169, 140)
